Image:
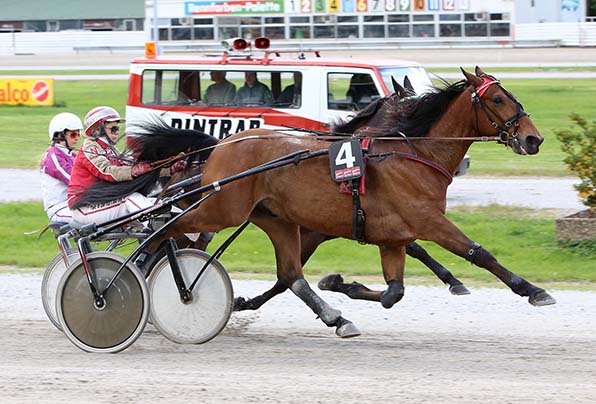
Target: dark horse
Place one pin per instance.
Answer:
(405, 197)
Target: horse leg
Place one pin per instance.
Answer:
(310, 240)
(286, 243)
(456, 287)
(448, 236)
(393, 259)
(254, 303)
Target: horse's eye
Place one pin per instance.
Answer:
(497, 99)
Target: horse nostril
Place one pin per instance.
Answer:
(533, 142)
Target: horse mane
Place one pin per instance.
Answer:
(149, 141)
(421, 113)
(364, 115)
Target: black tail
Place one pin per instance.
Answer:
(104, 191)
(152, 141)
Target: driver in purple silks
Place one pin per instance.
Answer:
(56, 165)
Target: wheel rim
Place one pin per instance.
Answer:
(209, 311)
(113, 327)
(49, 285)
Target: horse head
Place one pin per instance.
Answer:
(504, 114)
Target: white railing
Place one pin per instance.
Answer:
(68, 42)
(64, 42)
(568, 34)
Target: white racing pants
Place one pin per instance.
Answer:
(59, 212)
(102, 212)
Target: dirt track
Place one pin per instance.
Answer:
(489, 347)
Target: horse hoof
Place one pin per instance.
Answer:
(330, 282)
(541, 299)
(459, 290)
(239, 304)
(347, 330)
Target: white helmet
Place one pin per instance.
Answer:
(63, 121)
(98, 116)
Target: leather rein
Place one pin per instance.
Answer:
(502, 127)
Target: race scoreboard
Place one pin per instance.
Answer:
(210, 7)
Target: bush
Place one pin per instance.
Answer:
(579, 145)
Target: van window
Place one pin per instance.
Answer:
(417, 75)
(350, 91)
(218, 88)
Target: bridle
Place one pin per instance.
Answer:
(503, 126)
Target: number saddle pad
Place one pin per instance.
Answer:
(345, 187)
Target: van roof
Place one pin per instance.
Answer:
(272, 60)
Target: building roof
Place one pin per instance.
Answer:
(31, 10)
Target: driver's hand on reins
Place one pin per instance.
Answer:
(178, 166)
(140, 169)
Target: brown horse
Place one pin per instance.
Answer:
(405, 197)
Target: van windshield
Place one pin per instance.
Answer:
(417, 75)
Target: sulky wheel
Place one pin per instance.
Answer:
(50, 282)
(115, 324)
(209, 309)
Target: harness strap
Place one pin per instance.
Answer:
(358, 214)
(358, 186)
(428, 163)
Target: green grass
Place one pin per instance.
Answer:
(23, 130)
(521, 241)
(44, 73)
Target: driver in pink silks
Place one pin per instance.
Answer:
(98, 160)
(56, 165)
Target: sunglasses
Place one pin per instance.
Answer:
(114, 129)
(73, 134)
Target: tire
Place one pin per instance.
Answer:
(122, 319)
(50, 281)
(209, 311)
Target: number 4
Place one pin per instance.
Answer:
(345, 156)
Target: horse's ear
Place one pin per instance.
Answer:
(479, 72)
(472, 79)
(397, 89)
(408, 85)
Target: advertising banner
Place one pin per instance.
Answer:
(234, 7)
(27, 91)
(218, 7)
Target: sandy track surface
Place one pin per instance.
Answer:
(489, 347)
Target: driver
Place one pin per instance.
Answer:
(100, 160)
(56, 165)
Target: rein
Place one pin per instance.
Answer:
(321, 135)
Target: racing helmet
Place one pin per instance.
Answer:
(98, 116)
(63, 121)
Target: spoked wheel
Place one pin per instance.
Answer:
(209, 309)
(49, 284)
(120, 319)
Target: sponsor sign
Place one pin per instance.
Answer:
(215, 7)
(27, 91)
(217, 127)
(234, 7)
